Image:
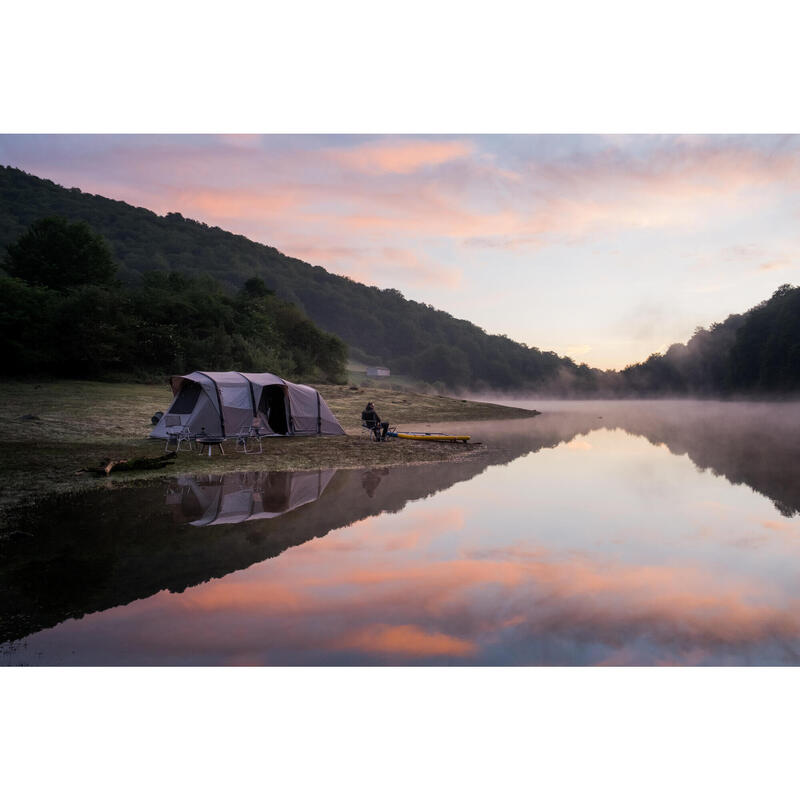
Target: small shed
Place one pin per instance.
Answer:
(378, 372)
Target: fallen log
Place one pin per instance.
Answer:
(108, 465)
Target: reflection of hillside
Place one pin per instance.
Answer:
(756, 444)
(108, 548)
(746, 443)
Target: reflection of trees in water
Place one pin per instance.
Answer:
(755, 444)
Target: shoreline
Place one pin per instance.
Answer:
(76, 424)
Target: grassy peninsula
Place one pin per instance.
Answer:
(54, 429)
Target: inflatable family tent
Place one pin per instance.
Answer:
(225, 403)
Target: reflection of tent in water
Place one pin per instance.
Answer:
(242, 496)
(224, 403)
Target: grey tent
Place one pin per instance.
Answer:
(223, 403)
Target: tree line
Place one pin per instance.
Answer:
(757, 352)
(64, 312)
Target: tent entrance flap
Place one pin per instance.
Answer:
(272, 407)
(187, 397)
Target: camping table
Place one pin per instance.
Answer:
(210, 441)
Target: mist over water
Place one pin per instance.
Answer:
(600, 532)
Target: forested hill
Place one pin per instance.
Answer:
(757, 352)
(380, 326)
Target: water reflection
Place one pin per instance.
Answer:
(756, 444)
(107, 548)
(589, 535)
(243, 496)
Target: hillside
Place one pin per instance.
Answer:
(379, 326)
(757, 352)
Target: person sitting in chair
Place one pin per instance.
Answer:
(373, 421)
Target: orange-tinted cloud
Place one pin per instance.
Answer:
(399, 156)
(769, 266)
(235, 204)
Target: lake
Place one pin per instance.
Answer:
(620, 533)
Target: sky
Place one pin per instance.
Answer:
(602, 248)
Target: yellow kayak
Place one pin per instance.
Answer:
(430, 437)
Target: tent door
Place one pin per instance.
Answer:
(273, 406)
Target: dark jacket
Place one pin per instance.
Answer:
(370, 417)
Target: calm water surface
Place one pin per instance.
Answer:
(596, 533)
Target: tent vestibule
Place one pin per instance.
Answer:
(224, 403)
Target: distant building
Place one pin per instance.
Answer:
(378, 372)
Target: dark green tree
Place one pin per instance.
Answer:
(60, 255)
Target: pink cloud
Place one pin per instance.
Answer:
(219, 204)
(350, 207)
(399, 156)
(381, 265)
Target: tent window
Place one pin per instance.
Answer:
(273, 405)
(185, 402)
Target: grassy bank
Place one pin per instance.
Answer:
(79, 423)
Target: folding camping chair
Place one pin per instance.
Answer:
(247, 432)
(372, 430)
(177, 433)
(368, 429)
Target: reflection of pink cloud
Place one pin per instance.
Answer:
(404, 640)
(418, 526)
(403, 588)
(778, 525)
(578, 444)
(602, 601)
(399, 156)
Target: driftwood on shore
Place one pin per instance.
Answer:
(108, 465)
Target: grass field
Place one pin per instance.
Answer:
(79, 423)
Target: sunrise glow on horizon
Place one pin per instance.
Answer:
(602, 248)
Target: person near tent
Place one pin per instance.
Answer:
(371, 418)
